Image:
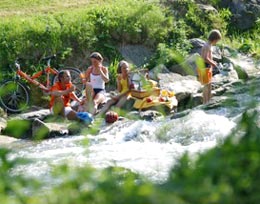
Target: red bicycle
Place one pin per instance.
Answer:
(15, 94)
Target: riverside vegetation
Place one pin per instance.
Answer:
(228, 173)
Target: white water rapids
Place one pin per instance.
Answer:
(147, 148)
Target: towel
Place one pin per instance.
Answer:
(152, 101)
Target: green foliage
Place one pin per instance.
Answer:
(11, 128)
(168, 55)
(82, 30)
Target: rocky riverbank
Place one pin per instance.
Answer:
(181, 79)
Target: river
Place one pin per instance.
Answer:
(148, 148)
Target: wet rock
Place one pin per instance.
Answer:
(220, 102)
(227, 74)
(40, 114)
(150, 115)
(5, 141)
(42, 130)
(180, 114)
(18, 128)
(245, 66)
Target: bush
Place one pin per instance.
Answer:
(83, 30)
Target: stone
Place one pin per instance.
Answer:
(245, 13)
(135, 54)
(42, 130)
(40, 114)
(184, 87)
(245, 66)
(153, 73)
(5, 141)
(2, 123)
(150, 115)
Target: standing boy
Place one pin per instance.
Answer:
(205, 74)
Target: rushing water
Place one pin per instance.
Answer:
(148, 148)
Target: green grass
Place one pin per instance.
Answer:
(10, 8)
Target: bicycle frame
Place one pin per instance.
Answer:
(32, 79)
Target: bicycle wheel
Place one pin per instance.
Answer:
(14, 96)
(75, 79)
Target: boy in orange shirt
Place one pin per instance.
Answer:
(205, 74)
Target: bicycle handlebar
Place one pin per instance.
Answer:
(49, 57)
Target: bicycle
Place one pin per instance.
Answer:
(15, 94)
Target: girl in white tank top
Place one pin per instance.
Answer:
(95, 78)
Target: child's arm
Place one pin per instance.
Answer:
(118, 84)
(87, 75)
(57, 92)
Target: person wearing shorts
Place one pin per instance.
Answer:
(95, 78)
(205, 73)
(62, 92)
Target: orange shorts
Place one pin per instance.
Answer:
(204, 75)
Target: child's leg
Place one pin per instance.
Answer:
(121, 101)
(205, 90)
(58, 107)
(209, 92)
(89, 105)
(98, 99)
(106, 107)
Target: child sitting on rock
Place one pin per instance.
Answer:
(123, 87)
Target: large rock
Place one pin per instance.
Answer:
(227, 74)
(245, 66)
(188, 67)
(40, 114)
(184, 87)
(153, 73)
(5, 141)
(136, 54)
(245, 13)
(42, 130)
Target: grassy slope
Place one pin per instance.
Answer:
(10, 8)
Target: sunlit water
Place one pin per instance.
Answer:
(148, 148)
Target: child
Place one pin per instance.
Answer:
(205, 74)
(123, 87)
(95, 78)
(61, 94)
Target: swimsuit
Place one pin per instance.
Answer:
(124, 85)
(97, 83)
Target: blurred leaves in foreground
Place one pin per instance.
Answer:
(228, 173)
